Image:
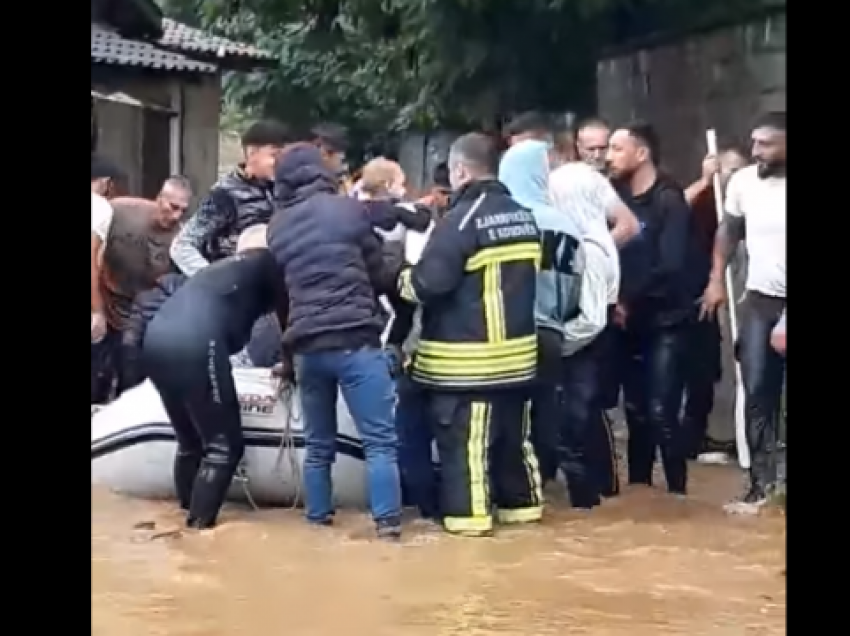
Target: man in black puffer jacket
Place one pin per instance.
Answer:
(332, 265)
(238, 200)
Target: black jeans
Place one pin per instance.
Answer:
(702, 371)
(190, 367)
(587, 454)
(104, 364)
(653, 388)
(763, 373)
(546, 404)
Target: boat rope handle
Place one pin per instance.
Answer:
(287, 450)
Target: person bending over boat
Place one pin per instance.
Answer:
(186, 353)
(145, 307)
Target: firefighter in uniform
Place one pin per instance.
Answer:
(477, 356)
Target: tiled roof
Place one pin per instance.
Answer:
(181, 37)
(107, 47)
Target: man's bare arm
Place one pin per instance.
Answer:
(730, 233)
(96, 297)
(693, 191)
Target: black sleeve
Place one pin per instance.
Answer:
(673, 243)
(417, 219)
(381, 214)
(383, 261)
(402, 321)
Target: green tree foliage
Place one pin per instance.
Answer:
(385, 65)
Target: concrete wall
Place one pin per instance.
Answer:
(721, 79)
(202, 109)
(419, 154)
(122, 127)
(120, 133)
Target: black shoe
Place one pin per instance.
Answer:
(388, 529)
(750, 503)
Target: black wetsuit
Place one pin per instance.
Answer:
(186, 353)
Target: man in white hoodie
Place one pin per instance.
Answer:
(589, 201)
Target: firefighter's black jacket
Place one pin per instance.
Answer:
(476, 283)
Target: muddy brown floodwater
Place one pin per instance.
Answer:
(643, 564)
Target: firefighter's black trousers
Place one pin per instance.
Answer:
(486, 459)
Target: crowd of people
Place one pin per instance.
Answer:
(559, 273)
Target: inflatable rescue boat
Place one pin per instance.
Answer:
(133, 446)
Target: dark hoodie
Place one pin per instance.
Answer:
(663, 269)
(331, 261)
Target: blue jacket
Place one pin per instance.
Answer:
(331, 262)
(524, 169)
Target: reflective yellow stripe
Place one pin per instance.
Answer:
(494, 303)
(476, 457)
(405, 287)
(527, 251)
(469, 526)
(529, 459)
(520, 515)
(447, 367)
(476, 364)
(467, 349)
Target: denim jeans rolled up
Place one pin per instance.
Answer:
(363, 378)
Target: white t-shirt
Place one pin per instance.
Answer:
(762, 204)
(101, 216)
(588, 198)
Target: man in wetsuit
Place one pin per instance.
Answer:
(186, 353)
(331, 262)
(477, 356)
(240, 199)
(663, 274)
(145, 307)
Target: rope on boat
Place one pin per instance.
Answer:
(287, 450)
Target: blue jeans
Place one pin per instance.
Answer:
(363, 377)
(415, 459)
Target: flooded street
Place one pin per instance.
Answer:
(643, 564)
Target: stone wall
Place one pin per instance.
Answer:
(720, 79)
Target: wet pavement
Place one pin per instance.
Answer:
(643, 564)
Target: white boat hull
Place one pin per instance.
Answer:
(133, 446)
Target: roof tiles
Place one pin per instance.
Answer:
(108, 47)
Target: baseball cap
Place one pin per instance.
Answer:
(103, 168)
